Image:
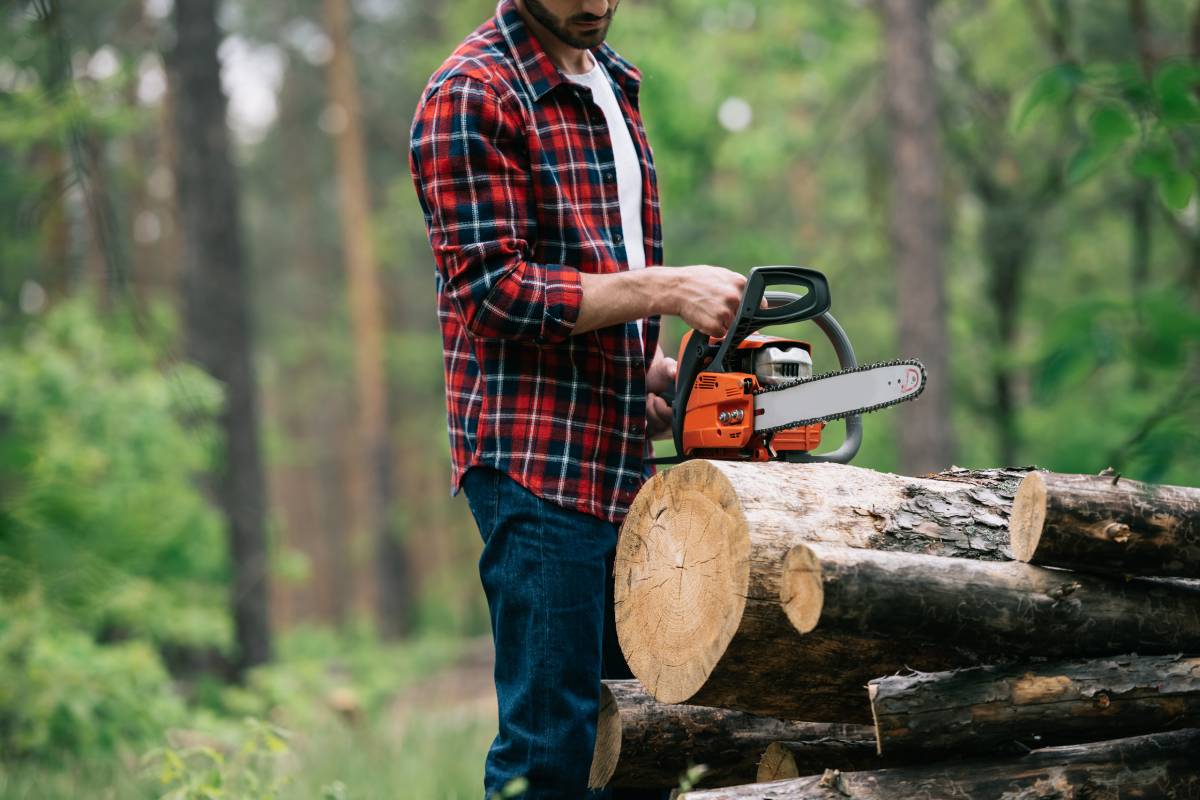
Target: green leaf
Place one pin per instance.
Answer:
(515, 788)
(1179, 109)
(1089, 159)
(1112, 122)
(1152, 161)
(1053, 87)
(1175, 77)
(1175, 189)
(1175, 84)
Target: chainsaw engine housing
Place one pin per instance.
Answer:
(781, 362)
(719, 420)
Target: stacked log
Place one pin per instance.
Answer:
(988, 608)
(642, 743)
(1017, 708)
(1098, 523)
(1159, 765)
(833, 595)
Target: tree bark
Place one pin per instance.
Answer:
(642, 743)
(987, 608)
(783, 760)
(371, 470)
(918, 231)
(700, 558)
(1094, 523)
(217, 314)
(998, 709)
(1161, 765)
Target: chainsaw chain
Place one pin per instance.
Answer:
(823, 376)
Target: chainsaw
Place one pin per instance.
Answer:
(754, 398)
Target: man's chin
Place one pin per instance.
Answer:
(588, 38)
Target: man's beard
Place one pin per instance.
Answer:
(557, 27)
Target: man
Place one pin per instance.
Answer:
(538, 186)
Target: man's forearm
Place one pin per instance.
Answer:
(618, 297)
(706, 297)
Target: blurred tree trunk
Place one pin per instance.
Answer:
(56, 238)
(371, 457)
(170, 267)
(1140, 205)
(918, 232)
(102, 262)
(216, 309)
(1008, 240)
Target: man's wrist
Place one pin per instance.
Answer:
(663, 290)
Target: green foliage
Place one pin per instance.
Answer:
(100, 514)
(405, 743)
(63, 695)
(1133, 356)
(250, 768)
(514, 788)
(691, 777)
(1052, 88)
(1152, 119)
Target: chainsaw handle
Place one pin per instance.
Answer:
(782, 307)
(846, 360)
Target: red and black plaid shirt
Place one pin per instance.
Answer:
(514, 169)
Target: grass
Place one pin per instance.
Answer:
(432, 749)
(435, 758)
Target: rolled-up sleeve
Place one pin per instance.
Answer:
(471, 168)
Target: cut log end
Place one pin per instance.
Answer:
(682, 590)
(608, 741)
(777, 764)
(1028, 516)
(801, 591)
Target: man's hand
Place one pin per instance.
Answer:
(660, 376)
(707, 298)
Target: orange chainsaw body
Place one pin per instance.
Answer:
(719, 417)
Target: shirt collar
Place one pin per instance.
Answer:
(535, 66)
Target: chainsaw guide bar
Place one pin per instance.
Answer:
(907, 382)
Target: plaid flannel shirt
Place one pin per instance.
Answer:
(514, 170)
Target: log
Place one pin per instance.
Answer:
(996, 709)
(1096, 523)
(784, 759)
(985, 609)
(700, 557)
(642, 743)
(1159, 765)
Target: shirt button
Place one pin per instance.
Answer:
(610, 176)
(618, 238)
(637, 430)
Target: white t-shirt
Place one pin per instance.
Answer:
(629, 170)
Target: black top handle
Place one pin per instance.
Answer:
(752, 316)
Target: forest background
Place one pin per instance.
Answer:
(229, 564)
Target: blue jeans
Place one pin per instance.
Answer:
(547, 574)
